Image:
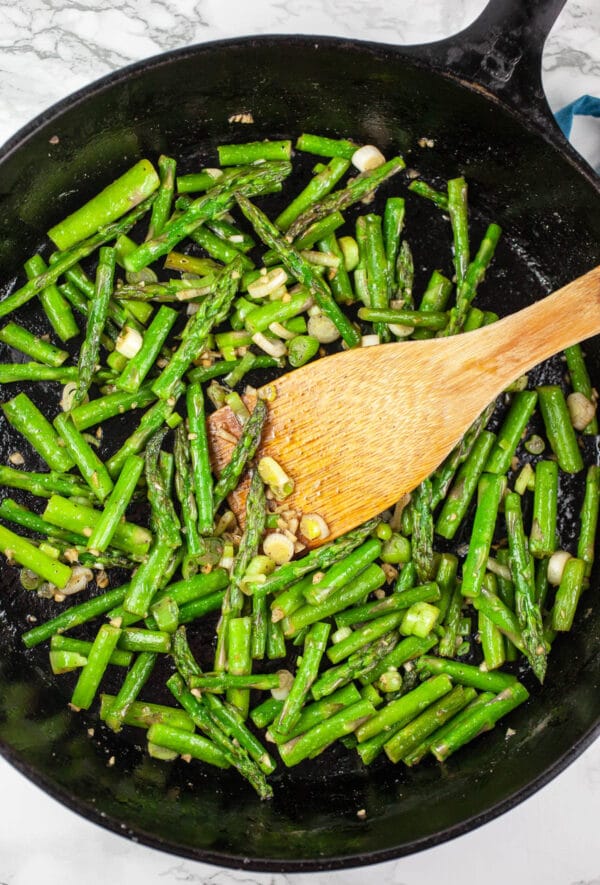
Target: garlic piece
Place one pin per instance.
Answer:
(80, 578)
(581, 409)
(367, 157)
(278, 547)
(285, 683)
(556, 566)
(313, 527)
(129, 342)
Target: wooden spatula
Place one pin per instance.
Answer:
(358, 429)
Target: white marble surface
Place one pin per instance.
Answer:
(48, 48)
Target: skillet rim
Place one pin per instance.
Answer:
(411, 54)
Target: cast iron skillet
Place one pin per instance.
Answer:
(479, 96)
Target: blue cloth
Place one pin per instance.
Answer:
(585, 106)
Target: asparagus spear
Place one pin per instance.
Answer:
(389, 604)
(123, 194)
(559, 428)
(568, 593)
(165, 520)
(66, 260)
(457, 210)
(481, 718)
(312, 714)
(510, 433)
(300, 269)
(22, 339)
(186, 744)
(315, 190)
(422, 543)
(326, 147)
(146, 580)
(589, 518)
(90, 466)
(242, 454)
(405, 741)
(250, 152)
(150, 423)
(133, 683)
(378, 277)
(401, 711)
(527, 607)
(220, 721)
(341, 572)
(239, 664)
(475, 273)
(56, 307)
(321, 558)
(74, 616)
(187, 500)
(417, 754)
(91, 675)
(17, 549)
(102, 409)
(314, 648)
(13, 372)
(364, 635)
(35, 427)
(253, 532)
(542, 539)
(155, 336)
(430, 193)
(143, 714)
(362, 186)
(580, 379)
(317, 739)
(211, 313)
(457, 502)
(370, 579)
(484, 526)
(405, 273)
(161, 208)
(202, 482)
(90, 349)
(251, 181)
(58, 642)
(13, 512)
(393, 222)
(117, 504)
(75, 517)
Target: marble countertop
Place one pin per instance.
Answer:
(50, 48)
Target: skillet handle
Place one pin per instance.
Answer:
(501, 52)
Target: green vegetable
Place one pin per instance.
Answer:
(314, 648)
(56, 308)
(22, 339)
(35, 427)
(374, 626)
(559, 429)
(17, 549)
(480, 719)
(526, 603)
(91, 675)
(116, 504)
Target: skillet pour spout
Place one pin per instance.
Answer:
(478, 96)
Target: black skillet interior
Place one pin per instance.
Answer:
(550, 211)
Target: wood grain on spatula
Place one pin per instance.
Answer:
(358, 429)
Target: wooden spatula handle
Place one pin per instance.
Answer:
(355, 430)
(522, 340)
